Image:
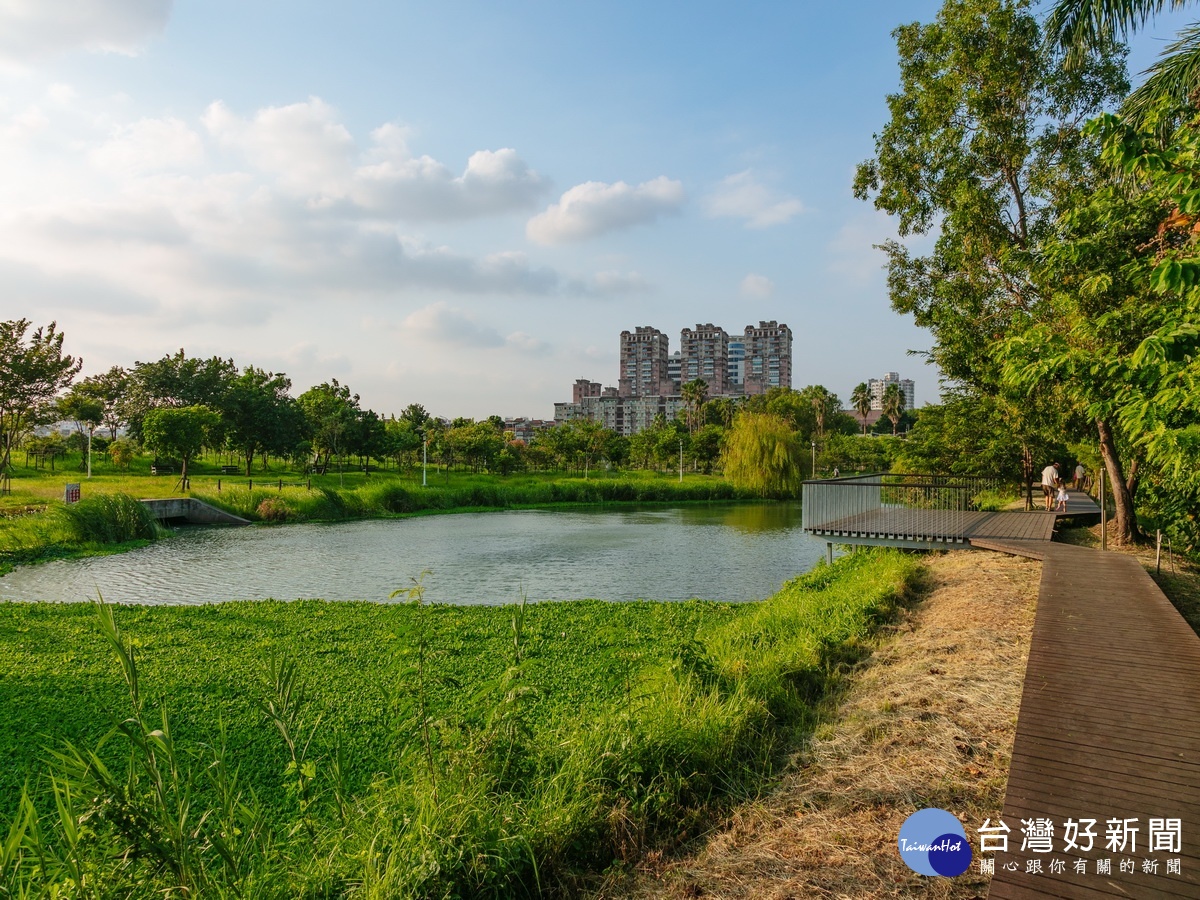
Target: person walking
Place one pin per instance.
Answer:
(1080, 475)
(1050, 481)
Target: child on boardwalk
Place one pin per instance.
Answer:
(1062, 498)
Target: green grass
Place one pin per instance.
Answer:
(456, 751)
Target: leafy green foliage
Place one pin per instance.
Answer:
(762, 455)
(32, 372)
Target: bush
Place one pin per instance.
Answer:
(274, 509)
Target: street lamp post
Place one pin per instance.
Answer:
(424, 459)
(814, 459)
(681, 460)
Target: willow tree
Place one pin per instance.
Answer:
(763, 455)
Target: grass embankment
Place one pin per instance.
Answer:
(929, 720)
(455, 751)
(384, 496)
(33, 529)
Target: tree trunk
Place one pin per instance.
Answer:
(249, 460)
(1124, 529)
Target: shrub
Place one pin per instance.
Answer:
(275, 509)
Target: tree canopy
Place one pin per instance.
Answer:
(33, 369)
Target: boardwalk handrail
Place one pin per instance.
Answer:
(830, 506)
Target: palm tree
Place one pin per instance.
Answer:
(893, 404)
(695, 393)
(1081, 26)
(861, 400)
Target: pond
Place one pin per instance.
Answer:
(717, 552)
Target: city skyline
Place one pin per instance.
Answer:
(451, 206)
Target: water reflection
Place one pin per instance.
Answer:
(719, 552)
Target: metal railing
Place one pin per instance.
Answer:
(897, 507)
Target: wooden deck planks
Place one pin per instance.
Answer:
(941, 525)
(1109, 727)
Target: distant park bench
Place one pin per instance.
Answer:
(157, 469)
(230, 470)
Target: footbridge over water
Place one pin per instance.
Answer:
(923, 512)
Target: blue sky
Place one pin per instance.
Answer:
(458, 204)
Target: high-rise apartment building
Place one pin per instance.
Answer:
(644, 356)
(736, 373)
(651, 377)
(768, 357)
(878, 385)
(704, 354)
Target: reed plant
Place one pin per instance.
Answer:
(108, 519)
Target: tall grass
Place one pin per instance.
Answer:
(392, 497)
(108, 519)
(476, 803)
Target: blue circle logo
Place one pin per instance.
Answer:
(933, 842)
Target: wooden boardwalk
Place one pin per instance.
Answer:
(1009, 531)
(1109, 729)
(940, 526)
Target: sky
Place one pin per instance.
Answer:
(458, 204)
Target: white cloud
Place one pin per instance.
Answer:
(742, 196)
(150, 145)
(262, 211)
(302, 145)
(31, 30)
(308, 152)
(594, 208)
(757, 286)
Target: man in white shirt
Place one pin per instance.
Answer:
(1049, 483)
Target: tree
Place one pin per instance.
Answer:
(861, 400)
(705, 446)
(1081, 27)
(110, 388)
(179, 432)
(762, 455)
(893, 405)
(330, 411)
(177, 380)
(695, 394)
(86, 412)
(825, 405)
(1119, 331)
(32, 372)
(985, 144)
(260, 415)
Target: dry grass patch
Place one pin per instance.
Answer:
(929, 721)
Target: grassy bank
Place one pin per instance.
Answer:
(394, 496)
(34, 528)
(432, 751)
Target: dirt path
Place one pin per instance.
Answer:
(929, 721)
